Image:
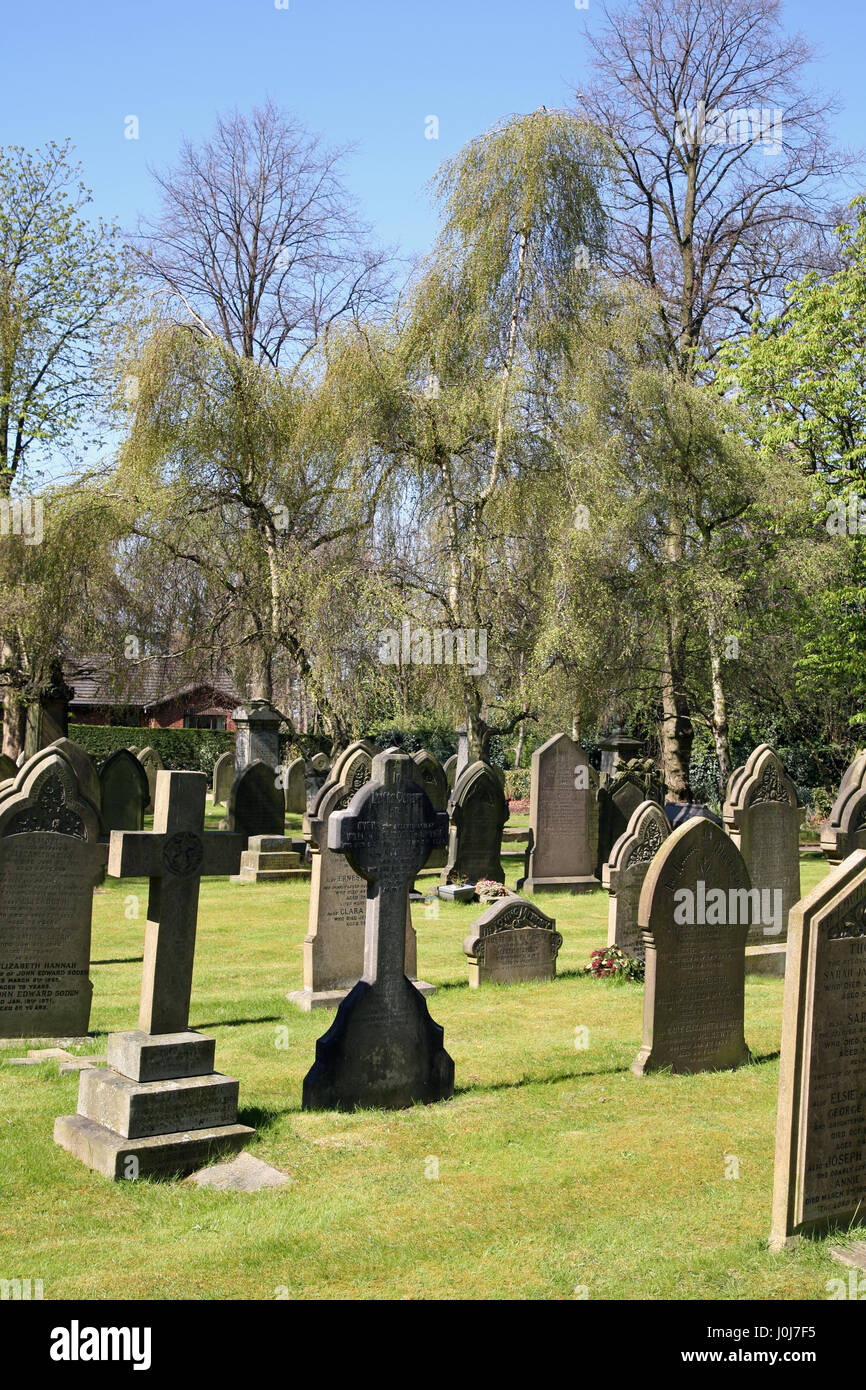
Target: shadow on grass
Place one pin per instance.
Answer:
(264, 1117)
(759, 1057)
(540, 1080)
(238, 1022)
(120, 960)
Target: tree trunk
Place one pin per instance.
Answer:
(677, 731)
(720, 711)
(518, 750)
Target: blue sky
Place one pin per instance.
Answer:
(366, 72)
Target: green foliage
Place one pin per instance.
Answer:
(181, 750)
(517, 782)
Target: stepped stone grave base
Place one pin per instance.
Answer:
(159, 1102)
(766, 960)
(270, 859)
(308, 999)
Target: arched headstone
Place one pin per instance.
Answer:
(478, 811)
(223, 776)
(296, 787)
(563, 820)
(125, 792)
(431, 776)
(256, 803)
(695, 911)
(845, 828)
(624, 874)
(152, 764)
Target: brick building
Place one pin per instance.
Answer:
(154, 693)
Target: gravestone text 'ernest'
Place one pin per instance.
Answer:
(695, 911)
(383, 1048)
(50, 861)
(563, 820)
(511, 942)
(159, 1107)
(820, 1168)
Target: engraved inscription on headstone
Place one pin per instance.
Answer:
(511, 942)
(624, 875)
(478, 813)
(563, 819)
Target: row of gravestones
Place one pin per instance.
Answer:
(160, 1107)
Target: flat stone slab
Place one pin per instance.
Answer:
(307, 999)
(75, 1064)
(161, 1155)
(766, 960)
(160, 1057)
(457, 893)
(853, 1255)
(268, 875)
(243, 1173)
(584, 884)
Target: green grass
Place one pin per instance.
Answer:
(557, 1168)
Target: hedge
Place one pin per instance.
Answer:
(181, 750)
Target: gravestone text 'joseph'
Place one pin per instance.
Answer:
(383, 1048)
(695, 912)
(820, 1168)
(159, 1107)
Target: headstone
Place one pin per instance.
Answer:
(361, 745)
(820, 1168)
(449, 767)
(50, 861)
(511, 942)
(152, 764)
(845, 828)
(134, 749)
(125, 793)
(256, 804)
(563, 820)
(763, 818)
(334, 944)
(159, 1107)
(624, 875)
(223, 776)
(617, 803)
(695, 910)
(296, 787)
(258, 735)
(85, 770)
(462, 751)
(320, 762)
(430, 774)
(478, 812)
(383, 1048)
(354, 770)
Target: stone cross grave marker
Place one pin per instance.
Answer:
(695, 911)
(159, 1106)
(624, 874)
(50, 861)
(383, 1048)
(336, 931)
(820, 1169)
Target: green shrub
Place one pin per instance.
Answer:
(517, 783)
(181, 750)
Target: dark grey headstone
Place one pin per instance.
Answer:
(478, 813)
(383, 1048)
(125, 793)
(256, 803)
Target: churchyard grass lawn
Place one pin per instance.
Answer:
(558, 1171)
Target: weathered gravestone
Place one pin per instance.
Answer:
(383, 1048)
(258, 735)
(152, 764)
(50, 861)
(320, 763)
(845, 828)
(125, 794)
(449, 767)
(349, 758)
(256, 803)
(763, 818)
(159, 1107)
(223, 776)
(695, 909)
(478, 812)
(334, 944)
(296, 787)
(820, 1169)
(624, 875)
(85, 769)
(563, 820)
(617, 802)
(430, 774)
(512, 941)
